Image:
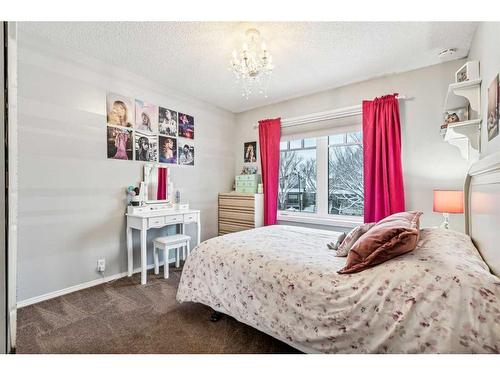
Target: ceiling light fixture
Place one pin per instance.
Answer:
(252, 66)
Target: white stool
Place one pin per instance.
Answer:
(175, 241)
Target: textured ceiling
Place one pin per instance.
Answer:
(193, 57)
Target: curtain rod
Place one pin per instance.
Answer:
(326, 115)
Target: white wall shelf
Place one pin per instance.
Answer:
(464, 93)
(465, 135)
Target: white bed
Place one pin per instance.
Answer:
(282, 280)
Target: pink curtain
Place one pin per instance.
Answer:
(162, 183)
(383, 172)
(269, 139)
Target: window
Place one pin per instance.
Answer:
(345, 174)
(297, 176)
(321, 179)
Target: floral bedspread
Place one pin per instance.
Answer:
(440, 298)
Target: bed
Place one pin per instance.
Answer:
(282, 280)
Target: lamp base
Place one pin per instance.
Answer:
(446, 223)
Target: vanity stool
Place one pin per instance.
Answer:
(175, 241)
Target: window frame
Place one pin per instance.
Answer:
(321, 216)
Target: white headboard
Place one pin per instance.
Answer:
(482, 209)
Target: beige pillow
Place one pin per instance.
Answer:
(390, 237)
(351, 239)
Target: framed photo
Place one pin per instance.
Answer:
(167, 150)
(119, 110)
(493, 109)
(186, 126)
(119, 143)
(250, 152)
(186, 151)
(167, 122)
(146, 117)
(146, 148)
(469, 71)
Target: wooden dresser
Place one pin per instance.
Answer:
(239, 211)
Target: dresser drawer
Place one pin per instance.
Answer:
(236, 202)
(239, 216)
(228, 227)
(190, 218)
(155, 222)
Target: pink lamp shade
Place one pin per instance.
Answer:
(449, 201)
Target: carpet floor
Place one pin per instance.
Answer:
(124, 316)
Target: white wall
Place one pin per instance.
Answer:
(485, 48)
(428, 162)
(71, 197)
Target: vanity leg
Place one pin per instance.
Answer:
(143, 256)
(130, 254)
(188, 248)
(156, 260)
(177, 258)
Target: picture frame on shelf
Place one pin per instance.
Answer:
(467, 72)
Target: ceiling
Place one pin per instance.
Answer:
(193, 57)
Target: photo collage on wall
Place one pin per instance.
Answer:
(141, 131)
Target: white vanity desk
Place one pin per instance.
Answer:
(156, 219)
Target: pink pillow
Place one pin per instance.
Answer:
(395, 235)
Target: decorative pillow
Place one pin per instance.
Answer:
(351, 238)
(395, 235)
(335, 245)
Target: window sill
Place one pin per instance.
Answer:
(330, 220)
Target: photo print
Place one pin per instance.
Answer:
(185, 151)
(186, 126)
(493, 109)
(119, 143)
(119, 110)
(167, 150)
(250, 152)
(146, 147)
(167, 122)
(146, 117)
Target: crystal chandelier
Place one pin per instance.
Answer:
(253, 66)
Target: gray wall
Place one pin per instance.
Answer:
(428, 162)
(485, 48)
(71, 197)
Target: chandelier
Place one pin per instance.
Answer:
(253, 66)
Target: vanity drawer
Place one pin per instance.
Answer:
(156, 221)
(190, 218)
(173, 219)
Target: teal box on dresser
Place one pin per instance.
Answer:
(247, 183)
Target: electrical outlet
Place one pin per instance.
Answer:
(101, 265)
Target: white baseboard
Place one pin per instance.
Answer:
(71, 289)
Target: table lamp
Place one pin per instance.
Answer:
(448, 202)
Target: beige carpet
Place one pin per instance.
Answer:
(125, 317)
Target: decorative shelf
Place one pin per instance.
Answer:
(465, 135)
(464, 93)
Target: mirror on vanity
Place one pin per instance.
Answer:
(156, 180)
